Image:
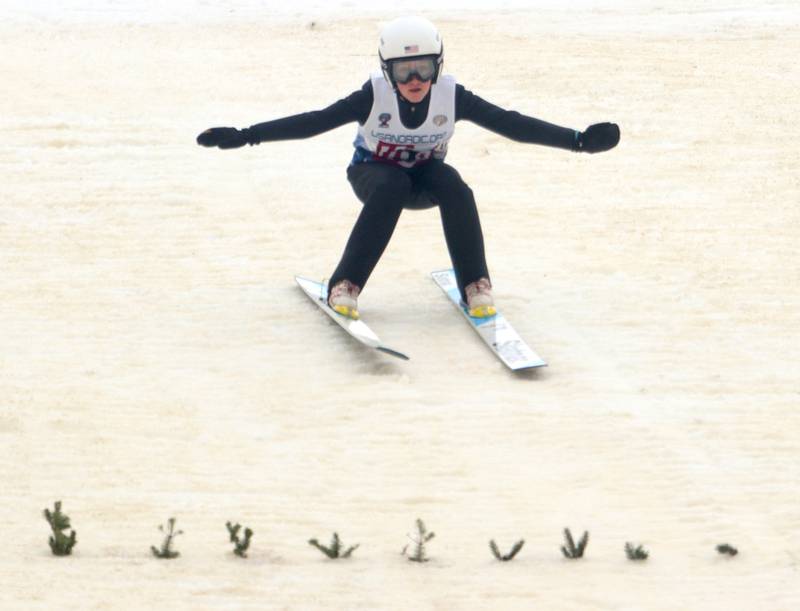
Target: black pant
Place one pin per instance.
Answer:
(385, 190)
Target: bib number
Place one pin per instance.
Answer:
(401, 154)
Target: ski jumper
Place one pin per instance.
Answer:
(398, 164)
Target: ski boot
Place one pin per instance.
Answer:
(343, 299)
(479, 299)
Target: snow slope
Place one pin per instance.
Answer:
(158, 360)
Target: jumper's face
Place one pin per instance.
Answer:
(413, 76)
(414, 90)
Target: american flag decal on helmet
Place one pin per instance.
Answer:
(412, 49)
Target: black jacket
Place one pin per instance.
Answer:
(470, 107)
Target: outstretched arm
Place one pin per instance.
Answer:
(354, 107)
(522, 128)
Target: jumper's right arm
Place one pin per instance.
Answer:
(354, 107)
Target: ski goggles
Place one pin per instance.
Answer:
(403, 70)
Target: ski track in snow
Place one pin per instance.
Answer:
(158, 359)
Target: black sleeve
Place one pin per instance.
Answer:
(355, 107)
(512, 124)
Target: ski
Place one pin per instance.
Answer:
(495, 331)
(318, 293)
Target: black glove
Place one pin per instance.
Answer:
(224, 137)
(598, 138)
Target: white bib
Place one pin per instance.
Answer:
(383, 137)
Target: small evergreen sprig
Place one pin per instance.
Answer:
(423, 536)
(60, 543)
(636, 553)
(571, 550)
(334, 552)
(240, 545)
(166, 551)
(726, 549)
(510, 555)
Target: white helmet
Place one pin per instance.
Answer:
(406, 38)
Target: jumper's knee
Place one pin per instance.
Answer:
(448, 185)
(379, 184)
(458, 195)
